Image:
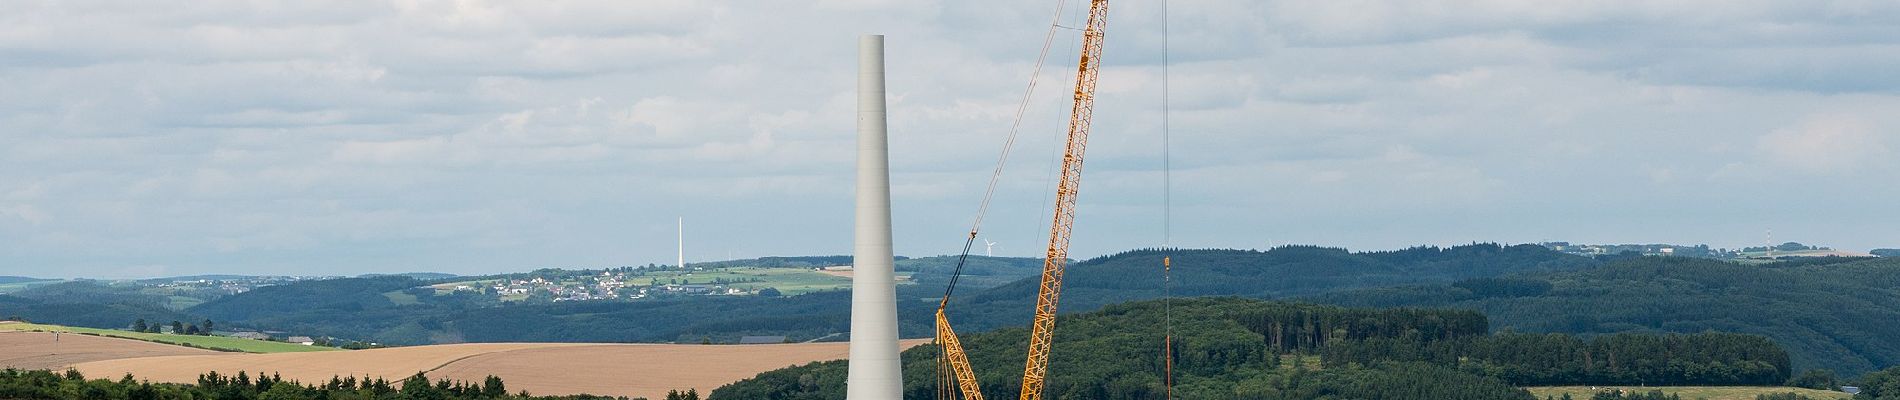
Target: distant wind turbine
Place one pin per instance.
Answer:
(989, 248)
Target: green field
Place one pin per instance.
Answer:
(400, 298)
(209, 342)
(1688, 392)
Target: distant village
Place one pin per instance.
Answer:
(612, 284)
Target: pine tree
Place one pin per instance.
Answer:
(492, 387)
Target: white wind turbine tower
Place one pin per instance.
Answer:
(989, 248)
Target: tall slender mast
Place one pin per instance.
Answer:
(682, 243)
(874, 372)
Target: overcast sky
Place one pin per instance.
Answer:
(153, 138)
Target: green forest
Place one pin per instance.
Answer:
(1840, 314)
(1555, 359)
(1251, 349)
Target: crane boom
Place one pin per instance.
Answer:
(1042, 328)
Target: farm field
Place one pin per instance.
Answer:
(634, 370)
(1689, 392)
(209, 342)
(38, 350)
(639, 370)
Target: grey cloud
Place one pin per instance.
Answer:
(185, 137)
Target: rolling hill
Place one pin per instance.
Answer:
(1828, 312)
(19, 279)
(1840, 314)
(1277, 273)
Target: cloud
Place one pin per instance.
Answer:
(1828, 144)
(212, 136)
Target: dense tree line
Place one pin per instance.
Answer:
(1276, 273)
(1116, 353)
(1705, 359)
(333, 295)
(92, 292)
(40, 384)
(1227, 348)
(1291, 327)
(1833, 313)
(97, 315)
(1880, 385)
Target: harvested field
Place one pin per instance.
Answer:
(639, 370)
(634, 370)
(37, 350)
(224, 343)
(392, 363)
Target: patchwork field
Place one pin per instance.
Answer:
(1688, 392)
(39, 350)
(634, 370)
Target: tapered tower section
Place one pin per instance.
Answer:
(874, 369)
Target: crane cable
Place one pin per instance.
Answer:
(1167, 215)
(1009, 144)
(944, 375)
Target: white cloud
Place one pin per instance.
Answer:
(1828, 144)
(470, 136)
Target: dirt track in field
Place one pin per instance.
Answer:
(633, 370)
(37, 350)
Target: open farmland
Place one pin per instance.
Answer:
(392, 363)
(639, 370)
(224, 343)
(634, 370)
(38, 350)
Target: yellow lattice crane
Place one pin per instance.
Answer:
(953, 363)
